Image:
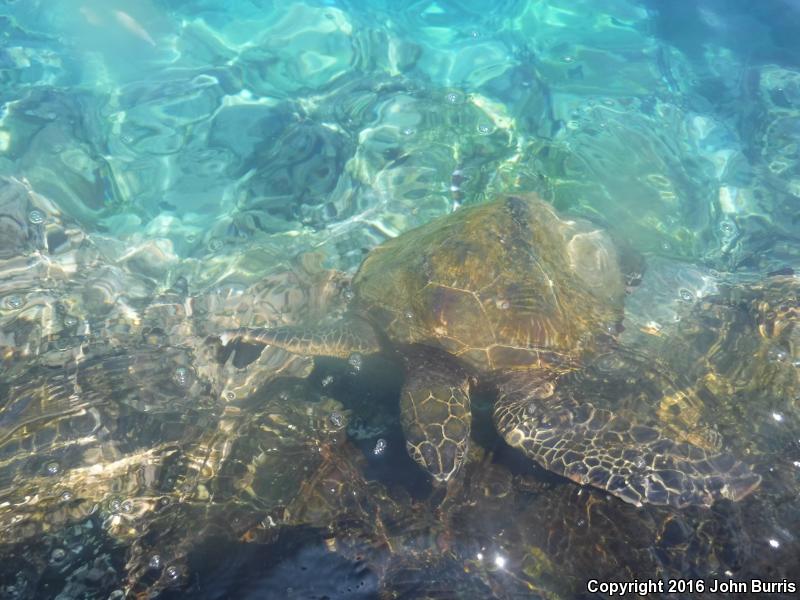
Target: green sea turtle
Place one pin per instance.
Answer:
(513, 294)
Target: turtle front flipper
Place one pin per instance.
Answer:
(612, 450)
(435, 412)
(340, 338)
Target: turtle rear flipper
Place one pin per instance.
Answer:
(435, 412)
(340, 338)
(612, 451)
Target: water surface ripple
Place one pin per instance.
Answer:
(172, 169)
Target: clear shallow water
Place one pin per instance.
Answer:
(173, 169)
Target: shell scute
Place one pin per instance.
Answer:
(507, 284)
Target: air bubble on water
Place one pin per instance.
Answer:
(127, 506)
(408, 131)
(727, 227)
(53, 468)
(173, 573)
(686, 295)
(13, 302)
(181, 376)
(215, 245)
(230, 395)
(336, 419)
(66, 496)
(36, 217)
(777, 355)
(355, 361)
(409, 314)
(58, 555)
(70, 321)
(268, 522)
(666, 246)
(348, 295)
(568, 59)
(484, 128)
(114, 505)
(452, 98)
(327, 381)
(380, 447)
(155, 562)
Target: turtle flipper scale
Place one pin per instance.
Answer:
(435, 414)
(339, 339)
(610, 451)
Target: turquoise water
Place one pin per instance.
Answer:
(174, 169)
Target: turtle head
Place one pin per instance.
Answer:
(436, 421)
(435, 412)
(441, 460)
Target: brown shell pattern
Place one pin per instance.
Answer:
(507, 284)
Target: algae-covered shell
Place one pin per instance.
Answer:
(507, 284)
